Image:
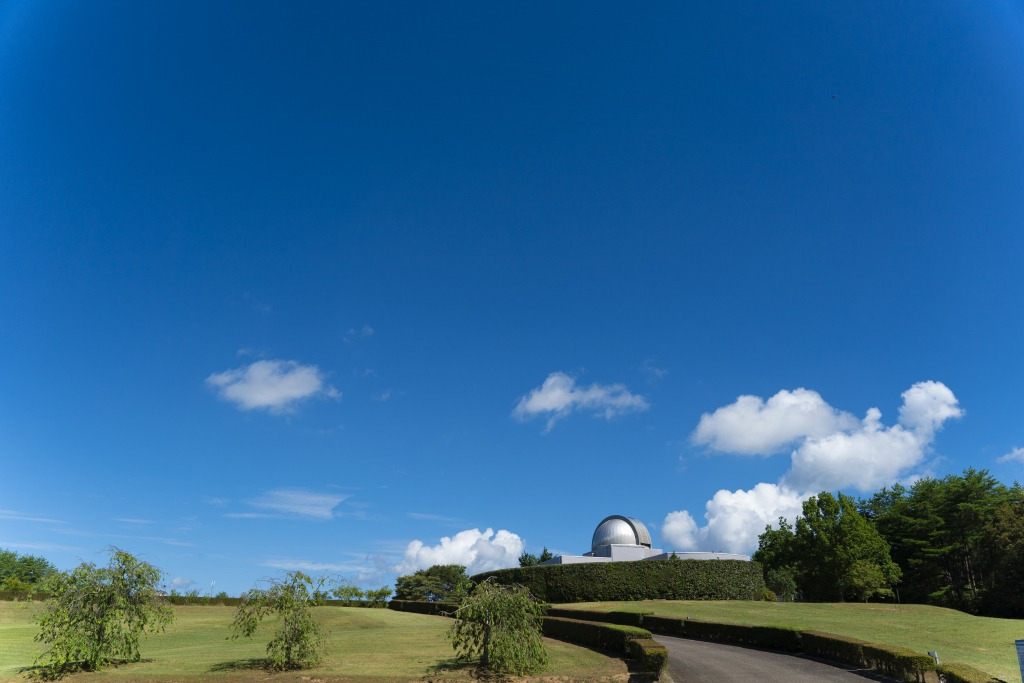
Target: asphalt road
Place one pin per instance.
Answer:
(698, 661)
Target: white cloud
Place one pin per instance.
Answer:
(752, 426)
(273, 385)
(559, 396)
(1016, 455)
(295, 502)
(479, 552)
(179, 582)
(734, 519)
(861, 454)
(926, 405)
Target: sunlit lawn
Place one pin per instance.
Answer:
(367, 645)
(982, 642)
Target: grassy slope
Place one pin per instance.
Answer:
(371, 645)
(982, 642)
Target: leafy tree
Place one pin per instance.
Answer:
(939, 534)
(528, 560)
(782, 582)
(831, 537)
(1006, 558)
(298, 640)
(502, 626)
(351, 594)
(832, 553)
(30, 569)
(440, 583)
(16, 588)
(378, 597)
(98, 614)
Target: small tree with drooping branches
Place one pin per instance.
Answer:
(98, 614)
(298, 640)
(502, 626)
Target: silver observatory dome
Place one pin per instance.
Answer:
(619, 530)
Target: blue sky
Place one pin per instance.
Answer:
(359, 289)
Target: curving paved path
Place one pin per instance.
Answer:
(699, 661)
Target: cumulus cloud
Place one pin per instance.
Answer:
(1016, 455)
(559, 396)
(831, 451)
(293, 503)
(179, 582)
(734, 519)
(273, 385)
(479, 552)
(752, 426)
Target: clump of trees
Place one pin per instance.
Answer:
(98, 614)
(954, 542)
(832, 554)
(530, 560)
(354, 596)
(440, 583)
(298, 639)
(500, 625)
(22, 575)
(959, 541)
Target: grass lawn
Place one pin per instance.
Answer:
(982, 642)
(364, 645)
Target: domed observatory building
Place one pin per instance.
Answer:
(618, 539)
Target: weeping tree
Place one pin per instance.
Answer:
(99, 614)
(500, 625)
(298, 639)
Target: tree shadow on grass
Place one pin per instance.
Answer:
(462, 665)
(255, 663)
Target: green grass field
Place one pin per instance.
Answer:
(364, 645)
(982, 642)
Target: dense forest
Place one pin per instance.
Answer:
(955, 542)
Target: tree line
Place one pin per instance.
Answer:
(954, 542)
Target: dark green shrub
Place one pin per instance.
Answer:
(604, 636)
(831, 646)
(642, 580)
(897, 662)
(774, 637)
(962, 673)
(650, 655)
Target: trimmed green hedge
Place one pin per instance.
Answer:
(650, 655)
(897, 662)
(774, 637)
(444, 609)
(962, 673)
(629, 642)
(640, 580)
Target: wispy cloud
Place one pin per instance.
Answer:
(293, 503)
(290, 563)
(28, 517)
(559, 396)
(427, 517)
(352, 334)
(276, 386)
(1016, 455)
(46, 547)
(132, 520)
